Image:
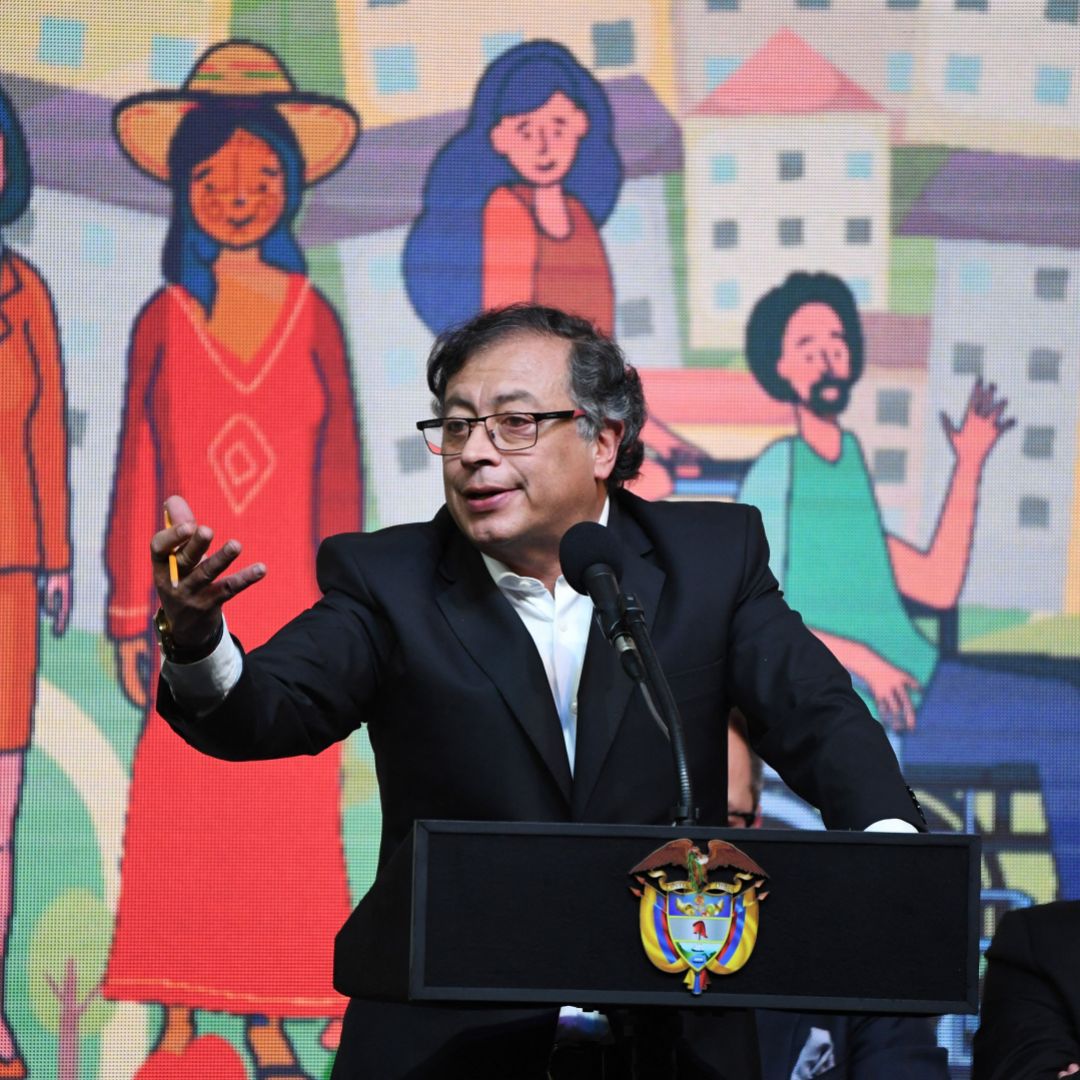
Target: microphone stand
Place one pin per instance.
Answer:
(661, 702)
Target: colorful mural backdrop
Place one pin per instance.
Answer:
(840, 241)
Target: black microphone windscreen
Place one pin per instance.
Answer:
(586, 544)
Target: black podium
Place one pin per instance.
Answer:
(510, 913)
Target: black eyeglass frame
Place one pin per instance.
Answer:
(438, 421)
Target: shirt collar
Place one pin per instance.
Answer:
(507, 580)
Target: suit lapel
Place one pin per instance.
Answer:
(494, 636)
(605, 690)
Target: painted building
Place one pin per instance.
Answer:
(399, 65)
(1008, 275)
(966, 73)
(109, 49)
(787, 168)
(888, 411)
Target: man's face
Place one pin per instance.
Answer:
(815, 359)
(516, 506)
(740, 790)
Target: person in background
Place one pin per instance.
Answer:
(1029, 1027)
(35, 545)
(801, 1046)
(238, 391)
(829, 550)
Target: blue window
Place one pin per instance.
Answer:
(975, 277)
(626, 225)
(495, 45)
(1051, 283)
(890, 466)
(789, 231)
(962, 73)
(1052, 85)
(972, 5)
(613, 43)
(384, 273)
(395, 69)
(62, 41)
(399, 363)
(725, 234)
(724, 169)
(98, 244)
(1062, 10)
(171, 58)
(861, 290)
(385, 3)
(898, 69)
(902, 5)
(81, 339)
(1033, 512)
(726, 295)
(859, 165)
(821, 5)
(721, 5)
(790, 165)
(718, 68)
(858, 230)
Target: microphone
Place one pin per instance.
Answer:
(592, 565)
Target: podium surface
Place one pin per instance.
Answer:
(544, 913)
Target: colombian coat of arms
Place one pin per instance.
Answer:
(699, 913)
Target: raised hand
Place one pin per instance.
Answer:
(983, 424)
(193, 606)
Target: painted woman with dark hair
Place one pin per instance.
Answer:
(514, 202)
(35, 550)
(829, 550)
(238, 391)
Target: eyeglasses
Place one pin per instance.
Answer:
(741, 819)
(508, 431)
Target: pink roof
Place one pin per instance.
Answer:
(786, 76)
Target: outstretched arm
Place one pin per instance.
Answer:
(935, 576)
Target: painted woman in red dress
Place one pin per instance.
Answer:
(238, 390)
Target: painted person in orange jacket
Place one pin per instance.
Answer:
(35, 551)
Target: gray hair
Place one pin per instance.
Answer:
(602, 383)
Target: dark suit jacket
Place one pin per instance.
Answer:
(858, 1047)
(413, 638)
(1030, 1017)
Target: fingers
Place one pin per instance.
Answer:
(204, 571)
(178, 510)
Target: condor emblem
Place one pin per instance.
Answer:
(698, 913)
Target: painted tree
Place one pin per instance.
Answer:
(67, 960)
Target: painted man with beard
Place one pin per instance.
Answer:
(837, 565)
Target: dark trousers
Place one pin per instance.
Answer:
(393, 1041)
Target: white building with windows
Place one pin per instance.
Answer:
(1007, 290)
(889, 413)
(106, 48)
(410, 58)
(1001, 75)
(787, 168)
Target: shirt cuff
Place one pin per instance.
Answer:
(204, 684)
(891, 824)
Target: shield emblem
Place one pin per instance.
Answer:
(699, 925)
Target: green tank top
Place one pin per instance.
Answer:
(838, 573)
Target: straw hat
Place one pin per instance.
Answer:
(326, 128)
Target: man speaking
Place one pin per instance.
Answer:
(489, 692)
